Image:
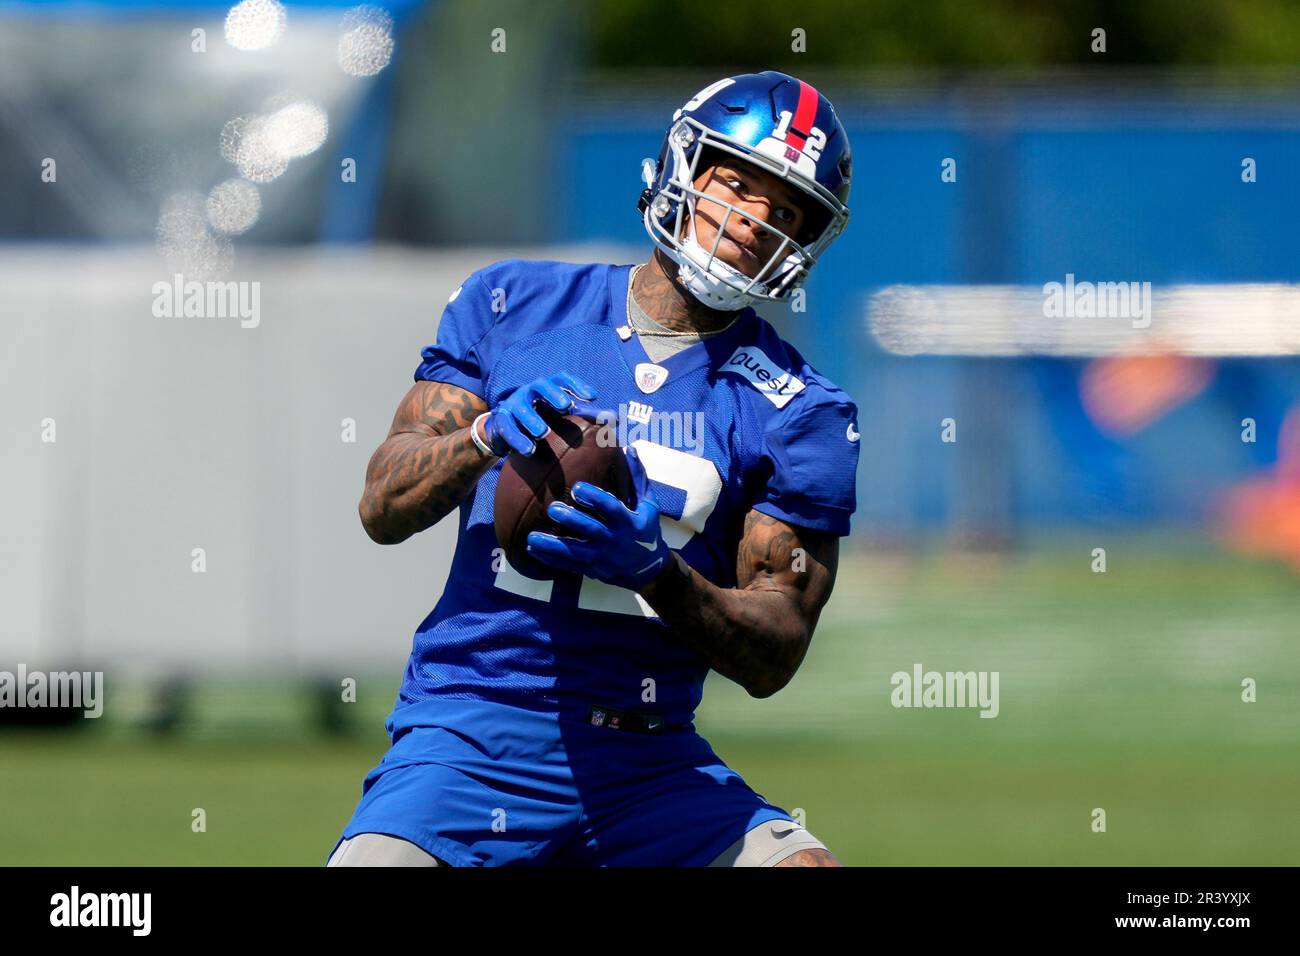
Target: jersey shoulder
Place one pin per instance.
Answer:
(504, 304)
(545, 293)
(808, 453)
(784, 384)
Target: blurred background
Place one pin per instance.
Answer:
(355, 163)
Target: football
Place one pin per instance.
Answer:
(570, 452)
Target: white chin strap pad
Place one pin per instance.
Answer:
(710, 286)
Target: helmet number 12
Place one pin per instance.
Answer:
(815, 143)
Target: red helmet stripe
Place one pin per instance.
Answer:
(804, 115)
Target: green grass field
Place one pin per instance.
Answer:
(1119, 690)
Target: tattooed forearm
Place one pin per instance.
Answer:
(758, 632)
(426, 465)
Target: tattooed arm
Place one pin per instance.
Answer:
(756, 633)
(426, 465)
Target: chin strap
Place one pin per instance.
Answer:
(710, 288)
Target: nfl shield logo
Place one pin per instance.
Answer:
(597, 717)
(650, 377)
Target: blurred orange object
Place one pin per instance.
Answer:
(1261, 516)
(1126, 393)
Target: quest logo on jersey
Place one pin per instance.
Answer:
(776, 383)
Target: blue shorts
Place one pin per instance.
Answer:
(486, 784)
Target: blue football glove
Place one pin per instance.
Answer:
(612, 543)
(515, 425)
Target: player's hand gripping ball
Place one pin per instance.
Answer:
(516, 424)
(571, 448)
(604, 538)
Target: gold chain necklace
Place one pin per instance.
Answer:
(626, 331)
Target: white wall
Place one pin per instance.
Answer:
(177, 433)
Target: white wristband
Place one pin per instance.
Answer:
(483, 446)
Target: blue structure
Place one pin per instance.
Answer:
(1137, 188)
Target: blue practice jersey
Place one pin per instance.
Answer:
(737, 422)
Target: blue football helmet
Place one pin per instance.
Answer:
(775, 122)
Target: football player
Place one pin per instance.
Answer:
(551, 721)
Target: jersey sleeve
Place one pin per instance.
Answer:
(458, 357)
(813, 461)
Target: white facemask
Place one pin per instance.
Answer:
(707, 276)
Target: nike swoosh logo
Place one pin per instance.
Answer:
(649, 545)
(652, 564)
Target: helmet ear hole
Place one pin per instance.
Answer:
(710, 156)
(816, 218)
